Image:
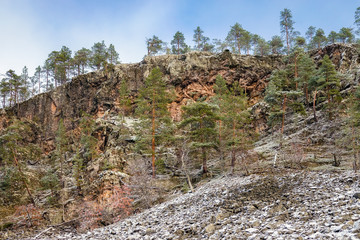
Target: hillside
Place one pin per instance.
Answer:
(84, 119)
(291, 205)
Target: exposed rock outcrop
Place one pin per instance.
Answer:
(192, 76)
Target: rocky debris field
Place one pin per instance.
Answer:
(291, 205)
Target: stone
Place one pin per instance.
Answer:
(210, 228)
(356, 195)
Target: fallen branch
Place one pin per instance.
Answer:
(42, 232)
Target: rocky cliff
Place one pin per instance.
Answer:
(192, 75)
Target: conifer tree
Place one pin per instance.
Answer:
(82, 60)
(357, 20)
(222, 93)
(287, 26)
(346, 35)
(15, 151)
(198, 38)
(319, 38)
(235, 36)
(99, 55)
(310, 33)
(152, 102)
(4, 91)
(281, 95)
(307, 71)
(178, 43)
(154, 45)
(201, 119)
(333, 37)
(112, 55)
(237, 122)
(276, 44)
(354, 126)
(329, 82)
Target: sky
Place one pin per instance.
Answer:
(31, 29)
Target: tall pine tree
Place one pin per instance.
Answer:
(152, 108)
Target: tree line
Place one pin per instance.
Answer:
(58, 68)
(62, 65)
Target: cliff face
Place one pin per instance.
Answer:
(192, 75)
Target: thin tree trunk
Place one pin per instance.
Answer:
(287, 36)
(153, 138)
(204, 163)
(220, 146)
(314, 106)
(296, 73)
(283, 116)
(233, 151)
(47, 80)
(178, 50)
(183, 154)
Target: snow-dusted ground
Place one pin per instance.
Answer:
(292, 205)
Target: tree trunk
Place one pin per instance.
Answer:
(39, 83)
(283, 117)
(287, 36)
(296, 72)
(153, 138)
(239, 47)
(220, 146)
(204, 160)
(233, 151)
(178, 50)
(314, 106)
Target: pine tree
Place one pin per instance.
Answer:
(152, 102)
(329, 82)
(319, 39)
(287, 26)
(99, 55)
(112, 55)
(357, 20)
(262, 48)
(82, 60)
(198, 38)
(201, 119)
(280, 95)
(353, 125)
(333, 37)
(234, 37)
(237, 122)
(63, 64)
(178, 43)
(310, 33)
(4, 91)
(346, 35)
(219, 99)
(15, 151)
(154, 45)
(276, 44)
(307, 71)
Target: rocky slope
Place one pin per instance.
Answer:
(291, 205)
(192, 76)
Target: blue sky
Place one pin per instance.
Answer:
(31, 29)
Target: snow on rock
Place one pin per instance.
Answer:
(293, 205)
